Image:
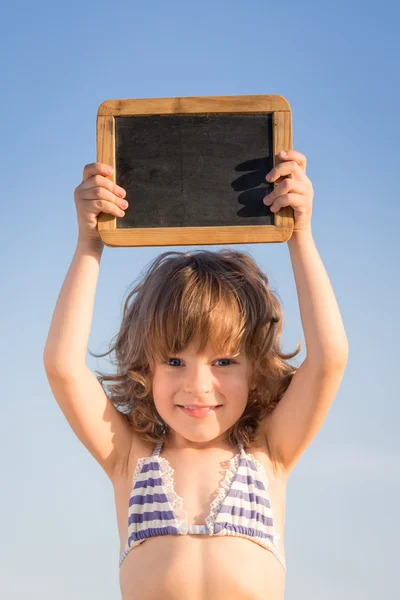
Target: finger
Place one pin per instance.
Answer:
(96, 168)
(286, 168)
(293, 200)
(296, 156)
(100, 181)
(285, 187)
(98, 192)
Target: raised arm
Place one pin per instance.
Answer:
(67, 340)
(303, 408)
(88, 410)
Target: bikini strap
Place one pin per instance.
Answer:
(157, 449)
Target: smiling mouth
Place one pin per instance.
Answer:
(200, 412)
(198, 406)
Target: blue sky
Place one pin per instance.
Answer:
(337, 64)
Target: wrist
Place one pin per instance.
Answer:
(90, 246)
(301, 235)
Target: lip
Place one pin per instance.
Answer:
(198, 405)
(200, 411)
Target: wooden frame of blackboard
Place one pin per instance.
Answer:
(279, 228)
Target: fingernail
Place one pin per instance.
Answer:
(283, 153)
(110, 170)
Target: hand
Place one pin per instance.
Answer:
(294, 190)
(94, 195)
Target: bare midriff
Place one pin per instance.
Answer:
(200, 567)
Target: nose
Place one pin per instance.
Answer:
(198, 380)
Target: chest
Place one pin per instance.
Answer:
(199, 483)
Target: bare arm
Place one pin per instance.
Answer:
(92, 416)
(303, 408)
(72, 319)
(67, 340)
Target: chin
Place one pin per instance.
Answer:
(202, 435)
(198, 436)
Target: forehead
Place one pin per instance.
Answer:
(210, 350)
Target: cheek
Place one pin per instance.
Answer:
(236, 407)
(236, 394)
(164, 396)
(235, 388)
(160, 394)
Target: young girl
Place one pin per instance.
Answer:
(211, 416)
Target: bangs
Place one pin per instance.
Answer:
(197, 307)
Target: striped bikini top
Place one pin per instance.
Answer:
(241, 508)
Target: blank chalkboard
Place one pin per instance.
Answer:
(194, 169)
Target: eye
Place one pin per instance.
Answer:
(167, 362)
(168, 359)
(227, 359)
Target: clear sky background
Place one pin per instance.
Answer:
(337, 64)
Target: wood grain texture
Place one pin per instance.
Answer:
(193, 105)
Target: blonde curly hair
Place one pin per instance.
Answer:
(220, 298)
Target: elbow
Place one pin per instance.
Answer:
(334, 359)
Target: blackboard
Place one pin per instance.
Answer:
(194, 169)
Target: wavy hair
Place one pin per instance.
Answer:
(220, 298)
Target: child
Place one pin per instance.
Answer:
(212, 418)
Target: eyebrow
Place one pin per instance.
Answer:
(213, 354)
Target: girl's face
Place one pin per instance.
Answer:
(187, 379)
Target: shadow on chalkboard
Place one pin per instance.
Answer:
(252, 196)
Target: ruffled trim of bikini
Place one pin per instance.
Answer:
(174, 500)
(139, 466)
(223, 490)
